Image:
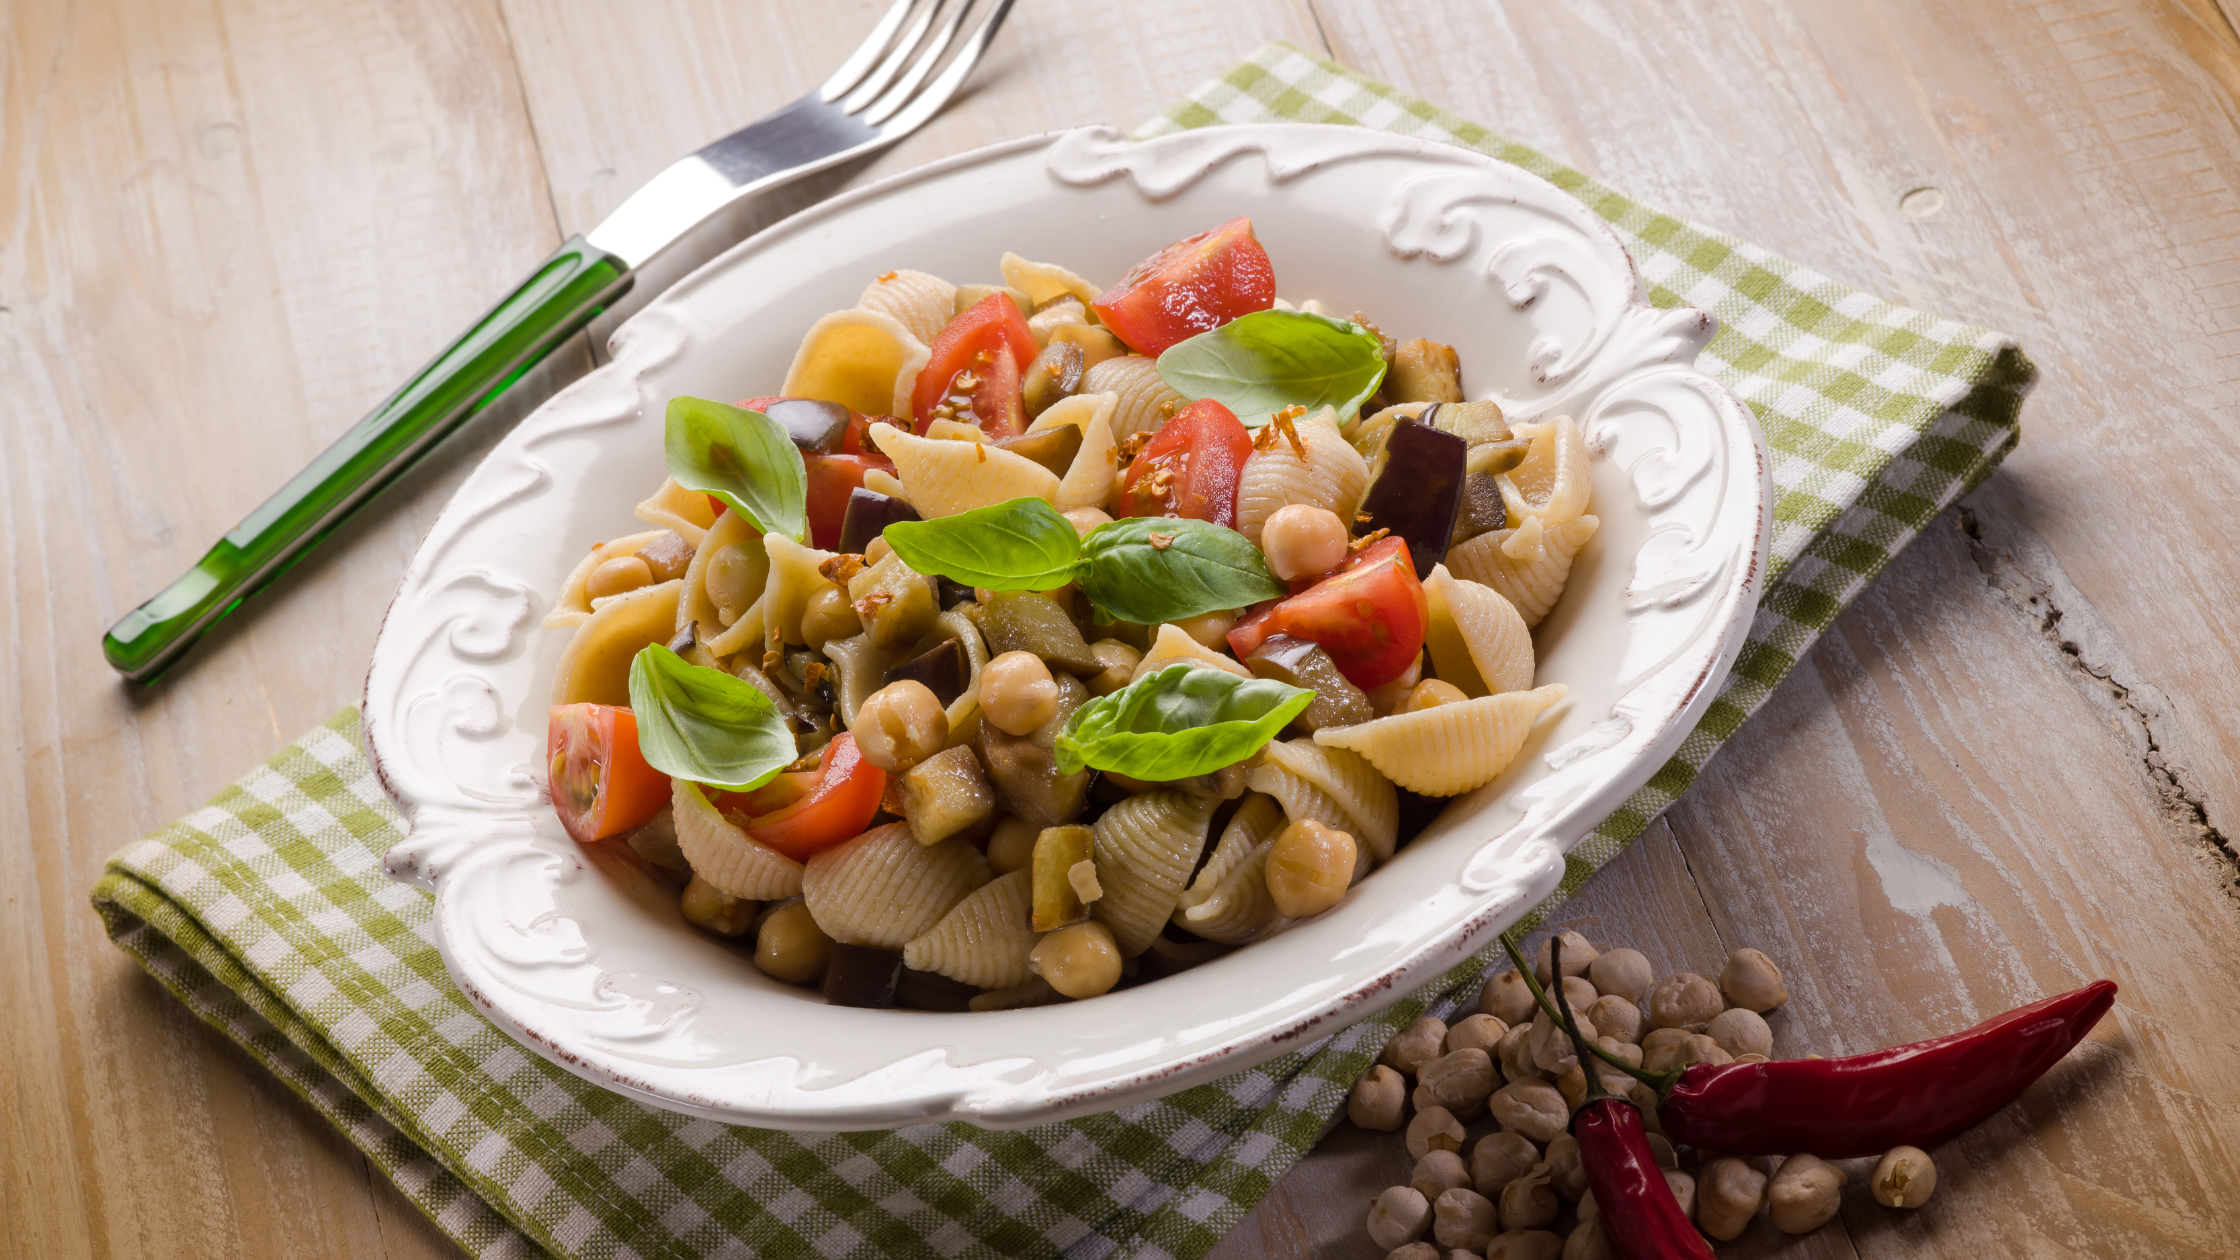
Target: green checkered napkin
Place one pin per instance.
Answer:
(267, 911)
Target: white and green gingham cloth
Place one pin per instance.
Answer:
(267, 912)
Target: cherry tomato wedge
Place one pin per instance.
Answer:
(974, 368)
(832, 478)
(1190, 286)
(601, 784)
(1370, 616)
(1190, 468)
(837, 806)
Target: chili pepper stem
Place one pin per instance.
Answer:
(1662, 1082)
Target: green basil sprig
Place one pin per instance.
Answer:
(742, 457)
(1022, 545)
(1149, 569)
(1184, 720)
(1258, 364)
(704, 725)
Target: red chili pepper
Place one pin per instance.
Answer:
(1630, 1193)
(1915, 1095)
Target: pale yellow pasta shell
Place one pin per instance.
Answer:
(1141, 400)
(1368, 807)
(919, 301)
(880, 481)
(864, 360)
(861, 670)
(883, 888)
(595, 666)
(722, 853)
(1173, 645)
(674, 507)
(573, 608)
(1229, 901)
(1145, 849)
(1333, 475)
(985, 940)
(1448, 749)
(696, 605)
(1044, 282)
(1527, 565)
(1477, 639)
(793, 579)
(1088, 481)
(943, 478)
(1552, 482)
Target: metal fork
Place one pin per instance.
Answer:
(888, 87)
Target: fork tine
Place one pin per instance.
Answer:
(896, 97)
(896, 58)
(913, 112)
(866, 55)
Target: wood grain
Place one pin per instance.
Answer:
(229, 226)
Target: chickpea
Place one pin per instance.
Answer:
(1660, 1149)
(876, 550)
(1301, 540)
(1905, 1178)
(705, 907)
(1525, 1244)
(1308, 869)
(1740, 1031)
(1752, 1058)
(1579, 993)
(1694, 1048)
(1430, 694)
(1615, 1015)
(613, 577)
(1528, 1203)
(1506, 999)
(1589, 1242)
(1585, 1208)
(1459, 1081)
(1377, 1100)
(1119, 661)
(1017, 693)
(1514, 1054)
(1011, 845)
(1684, 1000)
(900, 725)
(1624, 972)
(1465, 1219)
(1400, 1215)
(1804, 1194)
(1500, 1158)
(1084, 519)
(1417, 1250)
(1211, 629)
(1532, 1108)
(1438, 1172)
(729, 575)
(1577, 956)
(1417, 1044)
(1482, 1032)
(1080, 961)
(827, 616)
(1433, 1129)
(1551, 1045)
(790, 946)
(1645, 1099)
(1385, 699)
(1751, 981)
(1683, 1191)
(1567, 1169)
(1728, 1194)
(1625, 1050)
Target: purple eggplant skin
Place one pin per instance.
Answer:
(932, 991)
(813, 425)
(1419, 493)
(862, 975)
(868, 515)
(943, 668)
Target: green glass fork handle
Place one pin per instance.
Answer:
(565, 293)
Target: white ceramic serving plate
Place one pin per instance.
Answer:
(589, 963)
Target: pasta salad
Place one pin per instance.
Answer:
(1036, 639)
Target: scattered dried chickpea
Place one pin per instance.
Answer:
(1080, 961)
(1684, 1000)
(1740, 1031)
(1514, 1054)
(827, 616)
(1567, 1170)
(1588, 1242)
(706, 907)
(613, 577)
(1752, 982)
(1017, 693)
(1507, 999)
(1578, 955)
(1467, 1220)
(1430, 694)
(1459, 1081)
(1683, 1190)
(1433, 1129)
(1500, 1158)
(1728, 1194)
(1417, 1250)
(1378, 1100)
(1417, 1044)
(790, 946)
(1481, 1031)
(1398, 1216)
(1011, 845)
(1308, 868)
(1551, 1045)
(1524, 1244)
(1532, 1108)
(1301, 540)
(1624, 972)
(1438, 1172)
(1905, 1178)
(1804, 1194)
(1528, 1203)
(1614, 1015)
(1579, 993)
(900, 724)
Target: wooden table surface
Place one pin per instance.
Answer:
(228, 227)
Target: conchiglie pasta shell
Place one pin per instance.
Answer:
(864, 360)
(1173, 645)
(1333, 476)
(862, 669)
(722, 853)
(573, 608)
(944, 478)
(1229, 900)
(985, 940)
(1044, 282)
(1552, 482)
(880, 481)
(919, 301)
(883, 888)
(1478, 640)
(1450, 748)
(1528, 565)
(953, 624)
(595, 666)
(688, 512)
(696, 605)
(1366, 804)
(1142, 401)
(1089, 480)
(1145, 849)
(793, 579)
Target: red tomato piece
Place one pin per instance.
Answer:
(1190, 468)
(838, 807)
(977, 359)
(1190, 286)
(601, 784)
(831, 479)
(1369, 615)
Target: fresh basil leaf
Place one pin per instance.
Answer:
(1184, 720)
(1022, 545)
(742, 457)
(1260, 363)
(1149, 569)
(704, 725)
